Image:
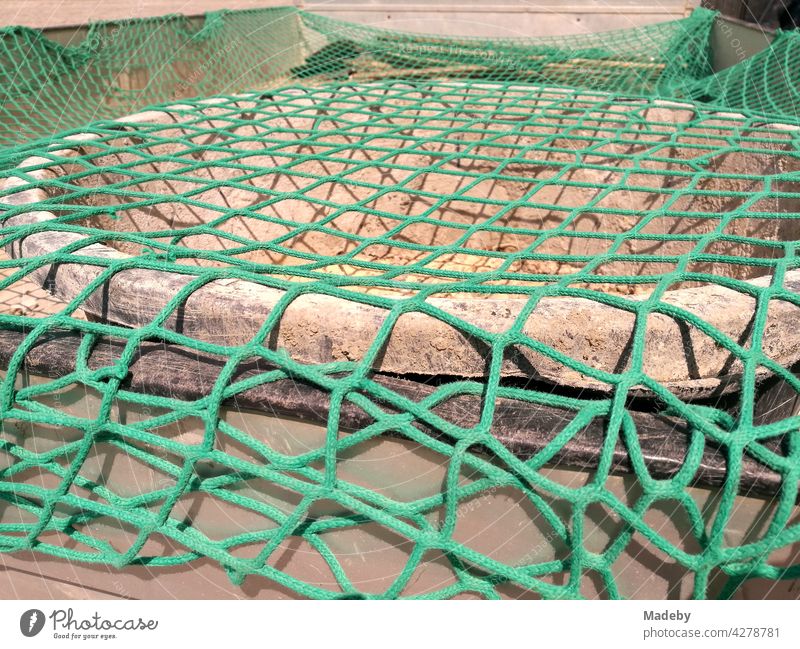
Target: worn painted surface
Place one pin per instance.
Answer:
(44, 14)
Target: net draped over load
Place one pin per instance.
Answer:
(491, 254)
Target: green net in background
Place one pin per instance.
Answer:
(644, 60)
(765, 83)
(111, 69)
(411, 320)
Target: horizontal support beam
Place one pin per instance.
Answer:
(665, 9)
(51, 14)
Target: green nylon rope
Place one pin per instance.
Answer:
(485, 125)
(116, 68)
(489, 122)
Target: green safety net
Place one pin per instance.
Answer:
(50, 83)
(109, 69)
(646, 59)
(766, 82)
(344, 216)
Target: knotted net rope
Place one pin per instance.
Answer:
(114, 68)
(375, 179)
(423, 200)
